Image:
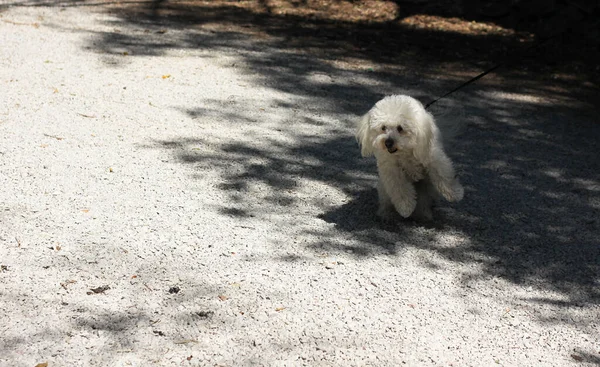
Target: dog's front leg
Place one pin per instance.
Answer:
(397, 189)
(443, 177)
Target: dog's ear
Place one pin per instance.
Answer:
(363, 135)
(426, 133)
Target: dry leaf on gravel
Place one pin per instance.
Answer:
(99, 290)
(67, 282)
(45, 364)
(204, 314)
(54, 137)
(223, 298)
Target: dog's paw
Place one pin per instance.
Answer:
(453, 192)
(406, 208)
(459, 191)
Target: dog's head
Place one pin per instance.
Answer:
(397, 124)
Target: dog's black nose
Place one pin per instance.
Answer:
(389, 142)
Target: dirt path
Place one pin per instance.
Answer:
(187, 192)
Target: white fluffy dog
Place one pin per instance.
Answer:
(413, 167)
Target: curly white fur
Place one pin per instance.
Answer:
(413, 167)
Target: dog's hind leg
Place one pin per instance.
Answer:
(423, 210)
(443, 177)
(386, 208)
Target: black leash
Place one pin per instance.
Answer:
(507, 61)
(472, 80)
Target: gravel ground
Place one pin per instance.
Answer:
(185, 196)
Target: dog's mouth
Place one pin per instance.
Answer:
(392, 150)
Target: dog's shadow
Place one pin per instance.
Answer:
(355, 215)
(359, 214)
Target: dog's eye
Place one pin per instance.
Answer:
(400, 129)
(383, 128)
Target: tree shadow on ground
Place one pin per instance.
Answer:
(304, 48)
(421, 36)
(117, 325)
(374, 30)
(532, 202)
(530, 166)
